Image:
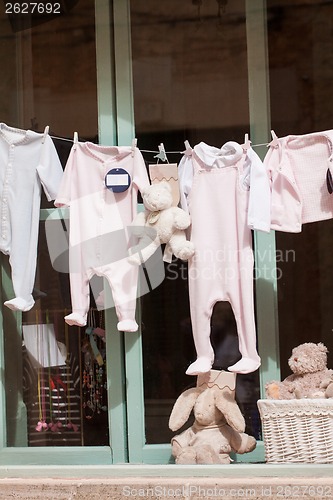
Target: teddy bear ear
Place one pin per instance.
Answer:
(144, 190)
(322, 347)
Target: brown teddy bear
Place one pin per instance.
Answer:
(310, 379)
(219, 425)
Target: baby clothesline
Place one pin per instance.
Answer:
(179, 152)
(161, 146)
(161, 153)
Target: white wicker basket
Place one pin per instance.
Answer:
(298, 430)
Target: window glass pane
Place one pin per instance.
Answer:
(49, 69)
(301, 65)
(55, 387)
(190, 82)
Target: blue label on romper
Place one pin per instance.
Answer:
(117, 180)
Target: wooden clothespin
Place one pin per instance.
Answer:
(46, 131)
(247, 143)
(188, 149)
(161, 155)
(76, 139)
(274, 143)
(134, 145)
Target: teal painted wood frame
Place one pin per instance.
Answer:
(125, 135)
(264, 244)
(3, 413)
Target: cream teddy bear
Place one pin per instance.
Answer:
(160, 223)
(219, 425)
(310, 379)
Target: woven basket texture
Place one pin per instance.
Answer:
(298, 430)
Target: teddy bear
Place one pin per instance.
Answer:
(159, 223)
(218, 427)
(310, 378)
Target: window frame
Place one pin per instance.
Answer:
(124, 351)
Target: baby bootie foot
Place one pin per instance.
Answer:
(245, 365)
(127, 325)
(201, 365)
(19, 304)
(75, 319)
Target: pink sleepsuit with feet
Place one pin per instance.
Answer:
(98, 221)
(222, 267)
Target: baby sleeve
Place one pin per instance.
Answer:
(140, 178)
(49, 170)
(63, 198)
(259, 211)
(185, 175)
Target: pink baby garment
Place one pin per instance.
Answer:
(298, 165)
(100, 187)
(216, 191)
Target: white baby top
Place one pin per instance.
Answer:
(28, 161)
(255, 178)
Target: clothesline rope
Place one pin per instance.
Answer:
(61, 138)
(153, 151)
(161, 148)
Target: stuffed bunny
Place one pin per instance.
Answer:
(219, 425)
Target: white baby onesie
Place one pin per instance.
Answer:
(28, 160)
(99, 218)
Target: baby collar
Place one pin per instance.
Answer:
(229, 154)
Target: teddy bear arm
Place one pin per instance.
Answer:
(272, 390)
(180, 246)
(329, 391)
(280, 390)
(325, 382)
(181, 219)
